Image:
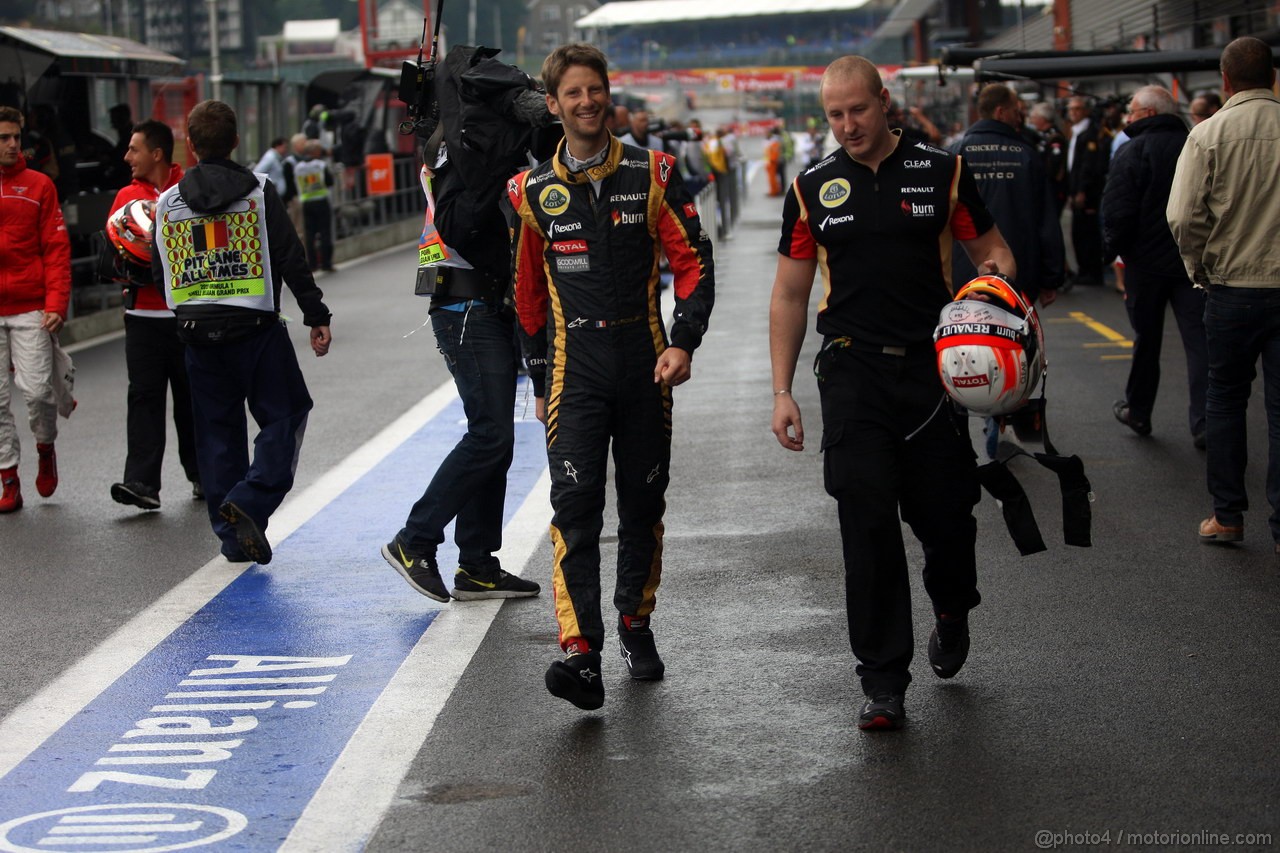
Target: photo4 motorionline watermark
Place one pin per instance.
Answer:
(1047, 839)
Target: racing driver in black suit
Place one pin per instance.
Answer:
(591, 225)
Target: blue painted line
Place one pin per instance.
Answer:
(222, 733)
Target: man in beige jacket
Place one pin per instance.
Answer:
(1223, 210)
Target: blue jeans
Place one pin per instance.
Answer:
(1240, 325)
(479, 348)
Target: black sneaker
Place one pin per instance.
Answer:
(949, 645)
(135, 494)
(421, 572)
(882, 712)
(197, 491)
(639, 653)
(475, 584)
(576, 679)
(248, 534)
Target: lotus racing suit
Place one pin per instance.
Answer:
(586, 247)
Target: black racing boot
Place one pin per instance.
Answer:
(576, 679)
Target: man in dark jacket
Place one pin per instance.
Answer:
(1134, 227)
(1012, 182)
(1052, 147)
(224, 246)
(1087, 157)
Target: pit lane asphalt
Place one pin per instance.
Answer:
(1128, 687)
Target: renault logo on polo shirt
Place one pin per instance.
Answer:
(138, 827)
(834, 192)
(554, 199)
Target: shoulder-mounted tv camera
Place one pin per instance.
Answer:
(417, 85)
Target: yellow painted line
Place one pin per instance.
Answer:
(1125, 357)
(1096, 344)
(1104, 330)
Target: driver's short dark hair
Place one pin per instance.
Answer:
(568, 55)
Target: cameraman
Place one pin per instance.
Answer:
(154, 357)
(639, 134)
(466, 269)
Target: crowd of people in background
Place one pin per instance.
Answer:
(1181, 209)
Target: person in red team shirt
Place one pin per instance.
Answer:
(35, 288)
(154, 356)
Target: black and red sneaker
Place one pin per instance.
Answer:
(882, 712)
(576, 679)
(949, 644)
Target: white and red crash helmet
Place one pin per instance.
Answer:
(990, 347)
(130, 228)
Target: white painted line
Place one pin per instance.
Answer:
(72, 349)
(373, 256)
(362, 783)
(40, 716)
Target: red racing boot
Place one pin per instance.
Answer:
(11, 496)
(47, 474)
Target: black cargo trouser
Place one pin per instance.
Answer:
(891, 441)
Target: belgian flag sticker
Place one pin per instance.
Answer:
(209, 236)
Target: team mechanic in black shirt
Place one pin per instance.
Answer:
(878, 219)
